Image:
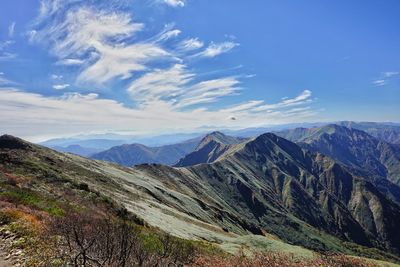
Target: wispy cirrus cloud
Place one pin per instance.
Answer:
(174, 3)
(191, 44)
(385, 78)
(70, 62)
(61, 86)
(97, 38)
(215, 49)
(379, 82)
(11, 29)
(4, 54)
(389, 74)
(56, 77)
(177, 87)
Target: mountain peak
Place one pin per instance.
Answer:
(219, 137)
(12, 142)
(210, 148)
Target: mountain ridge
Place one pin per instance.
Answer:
(267, 184)
(210, 148)
(352, 147)
(133, 154)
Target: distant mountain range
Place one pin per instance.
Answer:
(389, 132)
(87, 145)
(134, 154)
(266, 186)
(353, 148)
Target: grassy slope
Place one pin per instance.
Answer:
(47, 181)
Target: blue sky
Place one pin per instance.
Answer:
(160, 66)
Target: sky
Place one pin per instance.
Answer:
(71, 67)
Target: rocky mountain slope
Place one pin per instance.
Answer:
(267, 186)
(210, 148)
(351, 147)
(387, 132)
(133, 154)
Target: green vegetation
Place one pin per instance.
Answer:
(19, 196)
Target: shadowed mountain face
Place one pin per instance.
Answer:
(210, 148)
(351, 147)
(265, 185)
(270, 179)
(386, 132)
(134, 154)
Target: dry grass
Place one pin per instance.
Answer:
(270, 259)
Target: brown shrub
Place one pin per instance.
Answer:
(91, 240)
(269, 259)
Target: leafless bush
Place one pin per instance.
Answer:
(87, 240)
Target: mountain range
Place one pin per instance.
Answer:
(88, 145)
(333, 189)
(133, 154)
(370, 156)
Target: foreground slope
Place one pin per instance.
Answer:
(267, 186)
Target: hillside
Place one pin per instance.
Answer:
(267, 187)
(77, 149)
(134, 154)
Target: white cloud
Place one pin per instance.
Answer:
(215, 49)
(75, 113)
(177, 87)
(208, 91)
(11, 29)
(61, 86)
(160, 84)
(175, 3)
(98, 38)
(70, 62)
(389, 74)
(191, 44)
(168, 35)
(56, 77)
(6, 56)
(5, 44)
(379, 82)
(6, 82)
(385, 78)
(303, 98)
